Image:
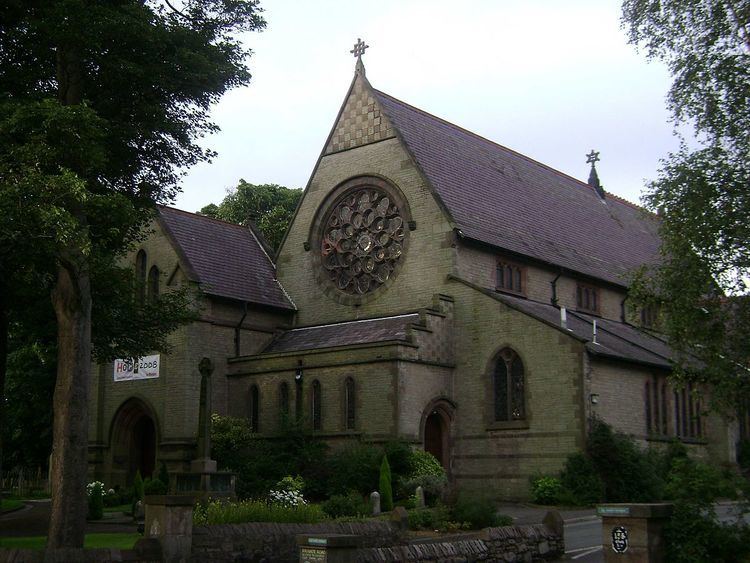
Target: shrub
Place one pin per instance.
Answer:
(424, 471)
(154, 487)
(354, 468)
(478, 511)
(693, 533)
(352, 504)
(625, 470)
(546, 490)
(95, 492)
(386, 487)
(436, 518)
(138, 486)
(164, 474)
(288, 492)
(217, 512)
(580, 483)
(424, 463)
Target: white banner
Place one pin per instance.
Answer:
(128, 369)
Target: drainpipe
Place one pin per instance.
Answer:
(623, 317)
(553, 283)
(237, 331)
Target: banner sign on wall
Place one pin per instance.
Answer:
(128, 369)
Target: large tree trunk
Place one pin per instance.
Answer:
(72, 302)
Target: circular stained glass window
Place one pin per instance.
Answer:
(362, 240)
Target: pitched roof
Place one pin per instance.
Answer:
(366, 331)
(614, 339)
(507, 200)
(226, 259)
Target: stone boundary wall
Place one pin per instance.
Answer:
(270, 543)
(71, 555)
(504, 544)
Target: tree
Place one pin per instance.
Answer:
(102, 104)
(702, 195)
(269, 206)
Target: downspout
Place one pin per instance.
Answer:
(623, 316)
(553, 283)
(237, 330)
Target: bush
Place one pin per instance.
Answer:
(694, 534)
(546, 490)
(354, 468)
(580, 483)
(478, 511)
(154, 487)
(424, 471)
(626, 471)
(95, 492)
(288, 492)
(138, 491)
(436, 518)
(352, 504)
(424, 463)
(386, 487)
(217, 512)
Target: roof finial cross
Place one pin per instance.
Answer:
(593, 157)
(359, 48)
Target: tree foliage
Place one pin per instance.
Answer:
(702, 194)
(101, 105)
(269, 206)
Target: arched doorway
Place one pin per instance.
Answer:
(134, 439)
(436, 431)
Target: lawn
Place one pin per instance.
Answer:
(113, 541)
(10, 504)
(126, 508)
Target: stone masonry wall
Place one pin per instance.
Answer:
(479, 266)
(501, 456)
(427, 258)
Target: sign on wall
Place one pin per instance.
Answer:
(620, 539)
(128, 369)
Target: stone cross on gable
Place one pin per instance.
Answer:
(359, 48)
(593, 157)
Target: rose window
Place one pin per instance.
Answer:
(362, 240)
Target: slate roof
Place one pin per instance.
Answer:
(342, 334)
(614, 339)
(226, 259)
(507, 200)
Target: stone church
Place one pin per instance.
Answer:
(433, 286)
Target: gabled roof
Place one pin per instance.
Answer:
(502, 198)
(227, 260)
(367, 331)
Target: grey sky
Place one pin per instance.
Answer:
(550, 79)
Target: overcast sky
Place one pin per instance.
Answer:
(551, 79)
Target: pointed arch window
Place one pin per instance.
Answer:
(316, 406)
(140, 276)
(509, 387)
(350, 406)
(254, 408)
(284, 400)
(153, 284)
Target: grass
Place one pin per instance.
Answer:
(217, 512)
(112, 541)
(10, 504)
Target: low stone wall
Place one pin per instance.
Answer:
(268, 542)
(507, 544)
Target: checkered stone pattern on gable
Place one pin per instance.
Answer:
(361, 122)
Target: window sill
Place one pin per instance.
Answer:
(683, 439)
(509, 425)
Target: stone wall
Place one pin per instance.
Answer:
(268, 542)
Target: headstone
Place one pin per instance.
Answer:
(419, 493)
(375, 502)
(400, 517)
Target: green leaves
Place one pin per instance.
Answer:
(703, 195)
(270, 206)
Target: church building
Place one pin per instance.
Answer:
(433, 286)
